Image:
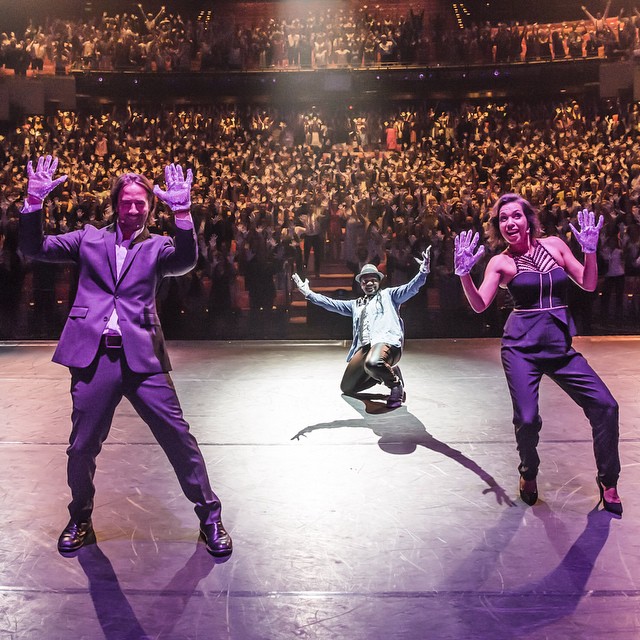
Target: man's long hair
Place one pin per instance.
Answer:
(132, 178)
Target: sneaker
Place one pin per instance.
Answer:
(396, 397)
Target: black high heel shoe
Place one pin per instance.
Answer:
(528, 497)
(611, 507)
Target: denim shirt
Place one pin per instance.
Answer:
(385, 324)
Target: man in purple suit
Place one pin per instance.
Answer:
(112, 341)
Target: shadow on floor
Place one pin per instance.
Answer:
(400, 433)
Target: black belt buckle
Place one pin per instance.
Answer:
(112, 341)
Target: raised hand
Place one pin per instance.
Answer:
(464, 258)
(303, 286)
(589, 231)
(178, 194)
(425, 261)
(40, 182)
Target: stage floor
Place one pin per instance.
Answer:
(349, 521)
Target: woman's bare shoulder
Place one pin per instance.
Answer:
(552, 241)
(500, 261)
(556, 246)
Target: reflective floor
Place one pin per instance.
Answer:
(349, 521)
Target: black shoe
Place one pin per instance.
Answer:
(611, 507)
(528, 493)
(397, 396)
(75, 535)
(216, 539)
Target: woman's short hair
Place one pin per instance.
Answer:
(132, 178)
(495, 237)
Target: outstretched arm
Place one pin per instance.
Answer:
(181, 256)
(40, 182)
(425, 261)
(303, 285)
(591, 17)
(406, 291)
(178, 194)
(58, 248)
(481, 297)
(159, 14)
(465, 258)
(343, 307)
(584, 275)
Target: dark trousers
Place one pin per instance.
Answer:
(572, 373)
(371, 365)
(96, 391)
(317, 243)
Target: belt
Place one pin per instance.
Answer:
(112, 340)
(562, 306)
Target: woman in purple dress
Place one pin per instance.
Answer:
(537, 335)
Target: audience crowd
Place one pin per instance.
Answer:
(332, 37)
(277, 191)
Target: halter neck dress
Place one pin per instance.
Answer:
(540, 317)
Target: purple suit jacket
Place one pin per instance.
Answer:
(150, 258)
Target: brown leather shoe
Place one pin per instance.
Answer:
(216, 539)
(74, 535)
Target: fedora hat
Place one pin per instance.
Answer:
(369, 270)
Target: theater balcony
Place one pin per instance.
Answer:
(362, 85)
